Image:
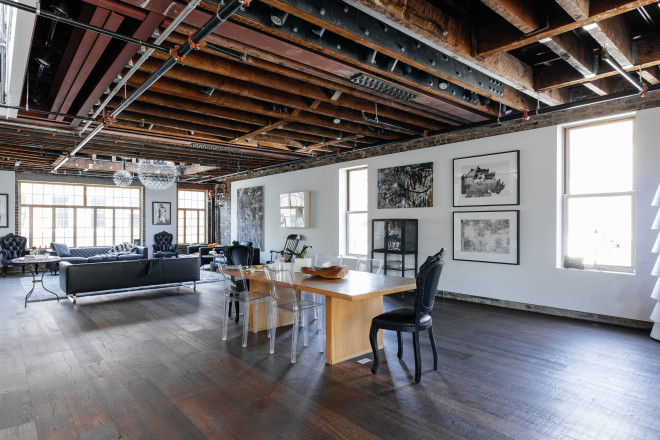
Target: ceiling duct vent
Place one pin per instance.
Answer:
(383, 87)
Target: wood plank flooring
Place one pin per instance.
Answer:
(152, 365)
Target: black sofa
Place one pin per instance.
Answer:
(96, 255)
(125, 275)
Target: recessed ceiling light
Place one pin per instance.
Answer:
(336, 121)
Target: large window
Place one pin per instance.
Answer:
(79, 215)
(191, 214)
(357, 234)
(599, 196)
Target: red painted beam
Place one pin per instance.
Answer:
(120, 8)
(102, 41)
(80, 49)
(143, 32)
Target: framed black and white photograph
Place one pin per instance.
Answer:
(4, 210)
(487, 236)
(162, 213)
(487, 180)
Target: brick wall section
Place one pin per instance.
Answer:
(224, 224)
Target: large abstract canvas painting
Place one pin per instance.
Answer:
(250, 213)
(409, 186)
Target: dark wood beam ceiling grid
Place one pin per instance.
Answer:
(301, 86)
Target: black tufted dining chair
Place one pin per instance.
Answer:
(163, 244)
(410, 320)
(238, 255)
(12, 246)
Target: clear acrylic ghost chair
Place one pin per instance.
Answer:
(327, 260)
(237, 291)
(285, 298)
(374, 265)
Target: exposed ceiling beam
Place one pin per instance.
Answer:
(602, 87)
(569, 47)
(614, 35)
(433, 26)
(577, 9)
(651, 75)
(519, 13)
(498, 38)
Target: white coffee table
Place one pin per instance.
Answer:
(29, 261)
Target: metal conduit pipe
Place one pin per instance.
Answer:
(187, 10)
(605, 55)
(35, 127)
(212, 24)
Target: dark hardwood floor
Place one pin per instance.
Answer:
(152, 365)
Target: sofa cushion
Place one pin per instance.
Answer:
(129, 256)
(61, 249)
(101, 258)
(88, 252)
(123, 248)
(75, 260)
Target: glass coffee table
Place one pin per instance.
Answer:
(36, 260)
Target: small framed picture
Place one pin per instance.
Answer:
(487, 180)
(162, 213)
(487, 236)
(4, 210)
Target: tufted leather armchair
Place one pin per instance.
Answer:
(12, 246)
(163, 244)
(406, 319)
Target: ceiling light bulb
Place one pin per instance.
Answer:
(336, 120)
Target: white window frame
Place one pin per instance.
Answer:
(349, 212)
(184, 210)
(566, 196)
(75, 208)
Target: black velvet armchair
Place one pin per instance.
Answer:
(410, 320)
(163, 245)
(12, 246)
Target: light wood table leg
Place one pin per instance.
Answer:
(259, 320)
(347, 327)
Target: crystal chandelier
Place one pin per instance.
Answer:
(157, 174)
(122, 177)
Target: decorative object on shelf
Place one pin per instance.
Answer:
(486, 236)
(4, 210)
(162, 213)
(326, 272)
(655, 315)
(122, 177)
(409, 186)
(294, 210)
(394, 241)
(487, 180)
(250, 215)
(157, 174)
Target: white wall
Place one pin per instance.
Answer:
(537, 280)
(7, 179)
(167, 195)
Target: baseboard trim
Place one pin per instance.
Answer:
(605, 319)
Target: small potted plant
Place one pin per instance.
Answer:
(301, 259)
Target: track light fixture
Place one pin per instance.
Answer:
(190, 132)
(208, 91)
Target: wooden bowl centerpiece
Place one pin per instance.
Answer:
(326, 272)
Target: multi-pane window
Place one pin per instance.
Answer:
(356, 212)
(599, 196)
(79, 215)
(191, 215)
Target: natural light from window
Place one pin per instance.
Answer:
(599, 196)
(356, 212)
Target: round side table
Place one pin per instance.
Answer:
(36, 260)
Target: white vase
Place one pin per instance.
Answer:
(298, 263)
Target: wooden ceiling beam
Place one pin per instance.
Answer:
(519, 13)
(577, 9)
(572, 50)
(651, 75)
(263, 78)
(498, 38)
(269, 61)
(614, 35)
(177, 88)
(602, 87)
(430, 23)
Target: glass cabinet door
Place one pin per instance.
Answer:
(379, 234)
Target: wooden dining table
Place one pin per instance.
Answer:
(350, 304)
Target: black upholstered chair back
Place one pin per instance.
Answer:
(163, 241)
(239, 254)
(15, 245)
(427, 284)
